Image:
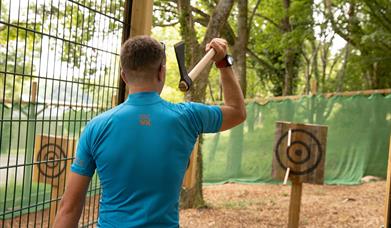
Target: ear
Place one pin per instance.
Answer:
(162, 73)
(123, 76)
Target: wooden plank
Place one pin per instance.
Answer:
(327, 95)
(261, 100)
(294, 205)
(48, 148)
(305, 156)
(57, 104)
(387, 215)
(258, 100)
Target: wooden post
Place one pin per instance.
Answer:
(114, 100)
(312, 103)
(34, 92)
(294, 204)
(30, 138)
(387, 215)
(141, 21)
(52, 162)
(57, 191)
(141, 24)
(314, 87)
(190, 179)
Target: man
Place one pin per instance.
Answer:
(141, 148)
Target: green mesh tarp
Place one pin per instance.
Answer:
(359, 129)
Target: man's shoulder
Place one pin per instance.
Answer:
(104, 117)
(180, 108)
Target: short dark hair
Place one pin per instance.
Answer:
(141, 54)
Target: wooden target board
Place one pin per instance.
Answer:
(52, 157)
(302, 149)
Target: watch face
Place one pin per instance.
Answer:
(230, 60)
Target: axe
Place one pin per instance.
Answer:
(188, 78)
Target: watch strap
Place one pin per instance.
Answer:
(222, 63)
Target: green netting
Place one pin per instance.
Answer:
(359, 129)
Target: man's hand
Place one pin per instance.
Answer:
(72, 202)
(220, 46)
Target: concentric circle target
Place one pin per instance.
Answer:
(299, 153)
(51, 158)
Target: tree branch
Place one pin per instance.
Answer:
(227, 31)
(220, 14)
(269, 20)
(166, 25)
(187, 23)
(261, 61)
(250, 21)
(200, 12)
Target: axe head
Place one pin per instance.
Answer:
(185, 81)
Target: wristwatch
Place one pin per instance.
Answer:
(227, 61)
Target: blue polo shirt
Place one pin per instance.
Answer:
(140, 150)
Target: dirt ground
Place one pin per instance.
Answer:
(238, 205)
(257, 205)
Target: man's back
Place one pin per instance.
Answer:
(140, 150)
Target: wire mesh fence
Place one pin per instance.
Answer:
(59, 67)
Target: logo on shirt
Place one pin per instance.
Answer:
(145, 120)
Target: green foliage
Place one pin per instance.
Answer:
(364, 24)
(170, 36)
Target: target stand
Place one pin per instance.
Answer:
(299, 155)
(52, 160)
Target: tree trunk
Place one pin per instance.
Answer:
(193, 198)
(342, 71)
(289, 58)
(234, 156)
(289, 72)
(241, 42)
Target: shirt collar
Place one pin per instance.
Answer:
(143, 98)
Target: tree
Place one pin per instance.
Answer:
(193, 197)
(365, 26)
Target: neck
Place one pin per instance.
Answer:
(137, 89)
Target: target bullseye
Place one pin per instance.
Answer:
(51, 158)
(296, 149)
(299, 152)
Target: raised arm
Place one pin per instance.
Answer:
(234, 109)
(72, 202)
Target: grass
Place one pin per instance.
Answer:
(39, 198)
(13, 200)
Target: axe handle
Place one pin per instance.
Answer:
(201, 64)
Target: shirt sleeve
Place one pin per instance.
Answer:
(84, 163)
(207, 118)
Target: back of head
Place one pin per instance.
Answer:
(141, 58)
